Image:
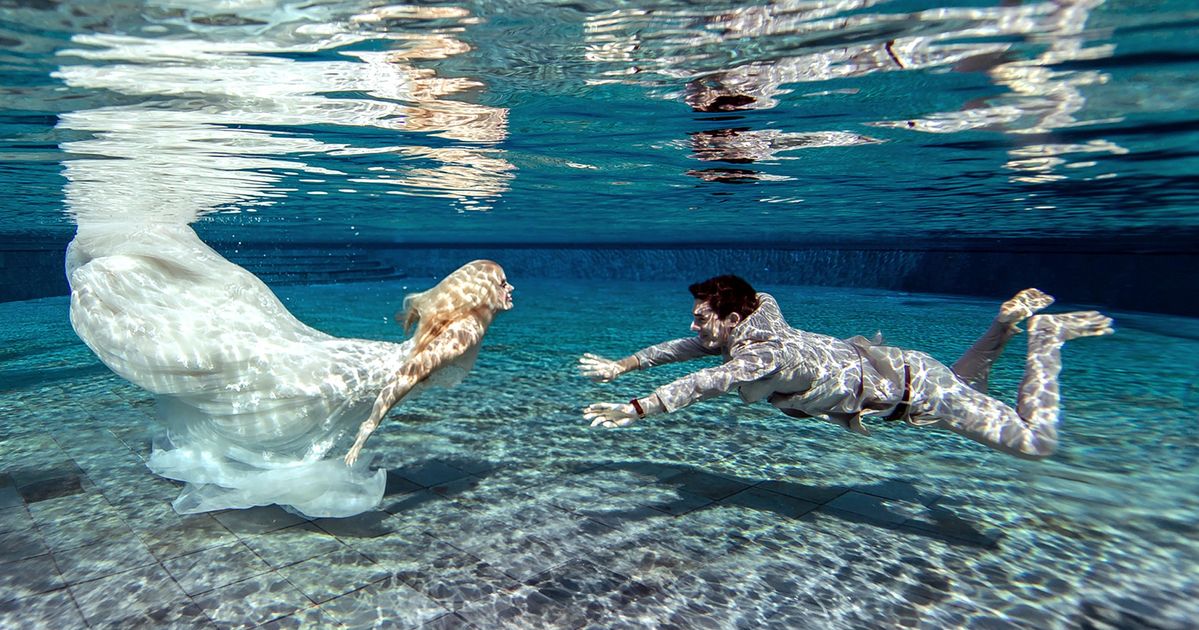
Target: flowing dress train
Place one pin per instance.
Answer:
(251, 398)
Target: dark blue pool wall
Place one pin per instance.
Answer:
(1148, 278)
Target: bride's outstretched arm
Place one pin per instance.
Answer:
(452, 343)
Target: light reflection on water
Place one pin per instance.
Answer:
(837, 42)
(590, 121)
(204, 104)
(393, 120)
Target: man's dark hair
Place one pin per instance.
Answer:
(726, 295)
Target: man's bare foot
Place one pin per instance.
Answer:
(1073, 325)
(1023, 305)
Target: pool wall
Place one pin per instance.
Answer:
(1147, 279)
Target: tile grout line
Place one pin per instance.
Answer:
(157, 561)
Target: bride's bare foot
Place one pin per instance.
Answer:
(1023, 305)
(1073, 325)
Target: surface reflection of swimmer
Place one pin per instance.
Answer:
(809, 375)
(757, 85)
(842, 40)
(734, 145)
(742, 144)
(473, 169)
(1040, 94)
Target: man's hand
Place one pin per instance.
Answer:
(610, 415)
(599, 369)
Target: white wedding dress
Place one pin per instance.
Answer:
(255, 403)
(252, 399)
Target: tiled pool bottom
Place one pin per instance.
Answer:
(505, 510)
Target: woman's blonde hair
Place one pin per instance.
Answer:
(473, 286)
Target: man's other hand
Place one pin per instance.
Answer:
(610, 415)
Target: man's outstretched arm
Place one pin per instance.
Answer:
(603, 370)
(612, 415)
(701, 385)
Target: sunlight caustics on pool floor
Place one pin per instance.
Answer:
(503, 509)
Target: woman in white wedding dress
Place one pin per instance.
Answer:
(252, 399)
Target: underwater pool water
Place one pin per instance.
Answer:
(504, 508)
(848, 122)
(608, 153)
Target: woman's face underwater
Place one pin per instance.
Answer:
(489, 279)
(506, 290)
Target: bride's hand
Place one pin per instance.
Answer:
(598, 368)
(364, 431)
(352, 456)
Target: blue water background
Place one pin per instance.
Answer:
(721, 513)
(852, 122)
(608, 153)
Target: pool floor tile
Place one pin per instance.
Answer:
(283, 547)
(324, 577)
(102, 559)
(89, 529)
(900, 490)
(55, 609)
(416, 501)
(638, 472)
(682, 502)
(526, 607)
(119, 597)
(203, 571)
(28, 577)
(10, 498)
(88, 506)
(584, 592)
(28, 469)
(430, 473)
(497, 612)
(813, 493)
(180, 535)
(521, 557)
(715, 531)
(304, 619)
(365, 525)
(452, 621)
(450, 576)
(257, 520)
(43, 489)
(386, 604)
(767, 501)
(952, 527)
(887, 512)
(179, 615)
(645, 559)
(252, 601)
(705, 484)
(21, 544)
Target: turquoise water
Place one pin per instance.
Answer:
(546, 122)
(609, 153)
(504, 508)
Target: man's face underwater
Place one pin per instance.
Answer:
(713, 332)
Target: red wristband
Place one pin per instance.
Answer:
(637, 406)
